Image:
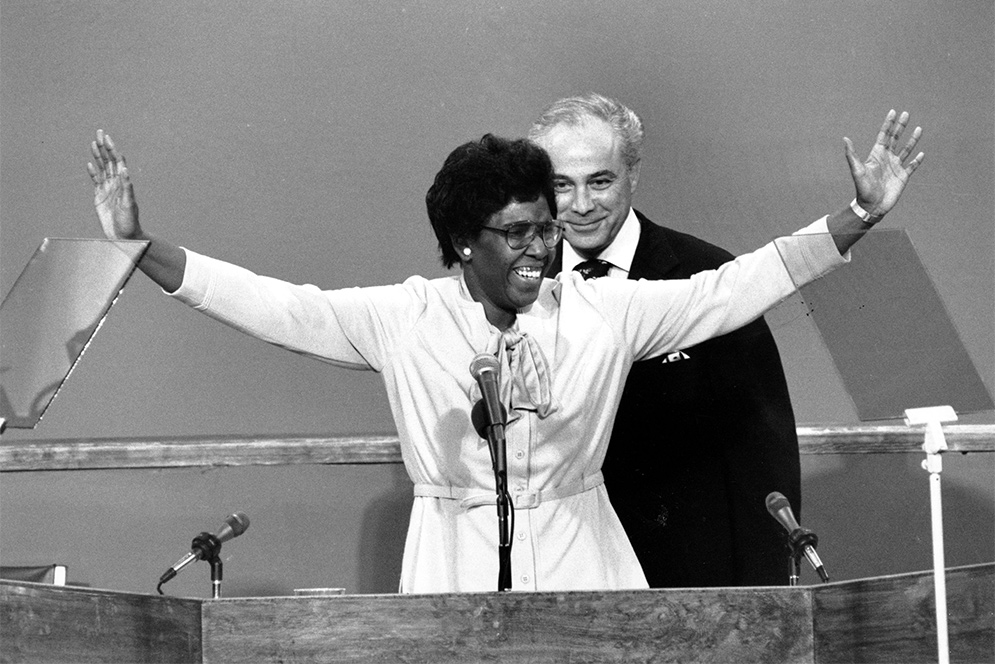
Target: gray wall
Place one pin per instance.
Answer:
(299, 138)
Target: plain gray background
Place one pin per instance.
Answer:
(298, 139)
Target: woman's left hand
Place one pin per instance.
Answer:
(882, 177)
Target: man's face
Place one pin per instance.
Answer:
(593, 185)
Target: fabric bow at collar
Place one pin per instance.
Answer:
(525, 378)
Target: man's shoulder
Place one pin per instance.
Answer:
(693, 253)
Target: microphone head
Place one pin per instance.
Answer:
(780, 509)
(235, 525)
(776, 502)
(481, 363)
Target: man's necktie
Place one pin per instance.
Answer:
(593, 268)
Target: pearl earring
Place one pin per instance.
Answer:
(466, 251)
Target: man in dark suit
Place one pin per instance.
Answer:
(703, 434)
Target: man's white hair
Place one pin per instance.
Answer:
(574, 111)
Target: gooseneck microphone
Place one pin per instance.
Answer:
(206, 545)
(801, 540)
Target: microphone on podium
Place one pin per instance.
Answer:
(207, 545)
(799, 538)
(489, 418)
(484, 368)
(489, 414)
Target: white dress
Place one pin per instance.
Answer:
(563, 368)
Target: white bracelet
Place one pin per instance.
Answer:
(864, 215)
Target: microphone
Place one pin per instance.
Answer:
(489, 417)
(203, 547)
(806, 540)
(484, 369)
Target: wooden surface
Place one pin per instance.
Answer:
(767, 625)
(46, 623)
(188, 451)
(893, 618)
(178, 452)
(886, 619)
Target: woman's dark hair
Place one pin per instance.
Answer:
(480, 178)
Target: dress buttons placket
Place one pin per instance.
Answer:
(523, 554)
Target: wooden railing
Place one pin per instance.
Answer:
(200, 451)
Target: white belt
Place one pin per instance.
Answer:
(521, 498)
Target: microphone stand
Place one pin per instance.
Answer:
(210, 546)
(499, 459)
(798, 539)
(504, 534)
(490, 426)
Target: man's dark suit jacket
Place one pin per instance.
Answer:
(699, 442)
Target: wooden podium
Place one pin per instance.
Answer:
(885, 619)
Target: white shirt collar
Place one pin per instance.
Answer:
(619, 253)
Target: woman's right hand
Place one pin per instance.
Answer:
(114, 196)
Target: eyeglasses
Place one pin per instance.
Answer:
(519, 235)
